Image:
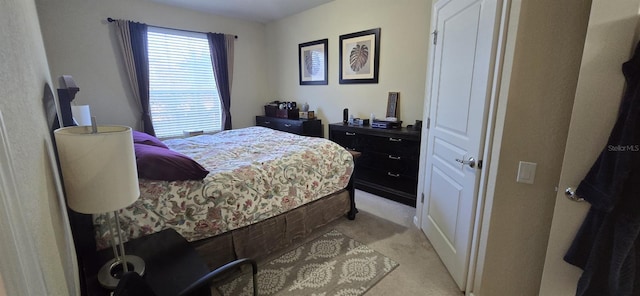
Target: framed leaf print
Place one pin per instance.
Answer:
(360, 57)
(313, 62)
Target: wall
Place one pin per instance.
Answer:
(610, 41)
(23, 74)
(81, 43)
(542, 60)
(403, 57)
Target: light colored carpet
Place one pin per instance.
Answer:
(332, 264)
(387, 227)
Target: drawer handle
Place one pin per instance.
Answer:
(349, 134)
(395, 140)
(394, 157)
(287, 125)
(267, 122)
(390, 174)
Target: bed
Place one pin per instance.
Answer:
(264, 189)
(275, 230)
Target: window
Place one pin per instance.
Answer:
(183, 96)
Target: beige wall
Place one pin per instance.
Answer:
(403, 57)
(23, 74)
(542, 61)
(79, 42)
(611, 38)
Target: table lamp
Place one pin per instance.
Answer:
(99, 170)
(81, 114)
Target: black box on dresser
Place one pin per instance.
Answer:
(389, 163)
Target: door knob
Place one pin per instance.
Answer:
(570, 193)
(471, 162)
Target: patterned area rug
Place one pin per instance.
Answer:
(333, 264)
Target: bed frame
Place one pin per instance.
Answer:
(259, 240)
(255, 241)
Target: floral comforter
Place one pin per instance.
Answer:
(255, 173)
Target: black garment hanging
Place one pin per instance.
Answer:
(607, 247)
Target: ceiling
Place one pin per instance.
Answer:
(262, 11)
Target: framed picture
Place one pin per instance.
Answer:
(313, 62)
(392, 104)
(360, 57)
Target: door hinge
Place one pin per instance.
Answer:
(435, 37)
(422, 198)
(428, 122)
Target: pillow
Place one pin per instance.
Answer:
(156, 163)
(147, 139)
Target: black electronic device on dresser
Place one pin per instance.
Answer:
(304, 127)
(389, 163)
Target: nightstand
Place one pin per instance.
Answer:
(172, 263)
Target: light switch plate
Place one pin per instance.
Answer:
(526, 172)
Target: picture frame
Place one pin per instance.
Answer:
(360, 57)
(392, 104)
(313, 62)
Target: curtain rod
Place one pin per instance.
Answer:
(111, 20)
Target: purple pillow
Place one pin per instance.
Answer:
(157, 163)
(147, 139)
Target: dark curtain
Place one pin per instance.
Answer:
(139, 46)
(219, 59)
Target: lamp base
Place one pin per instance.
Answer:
(111, 272)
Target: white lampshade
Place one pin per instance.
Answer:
(99, 169)
(82, 114)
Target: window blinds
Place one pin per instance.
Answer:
(182, 88)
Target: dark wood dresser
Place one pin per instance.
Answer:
(389, 163)
(304, 127)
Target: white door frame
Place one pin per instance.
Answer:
(20, 269)
(493, 131)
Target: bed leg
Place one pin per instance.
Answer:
(352, 194)
(351, 215)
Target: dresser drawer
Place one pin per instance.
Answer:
(266, 122)
(345, 139)
(387, 179)
(290, 127)
(391, 145)
(310, 127)
(405, 165)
